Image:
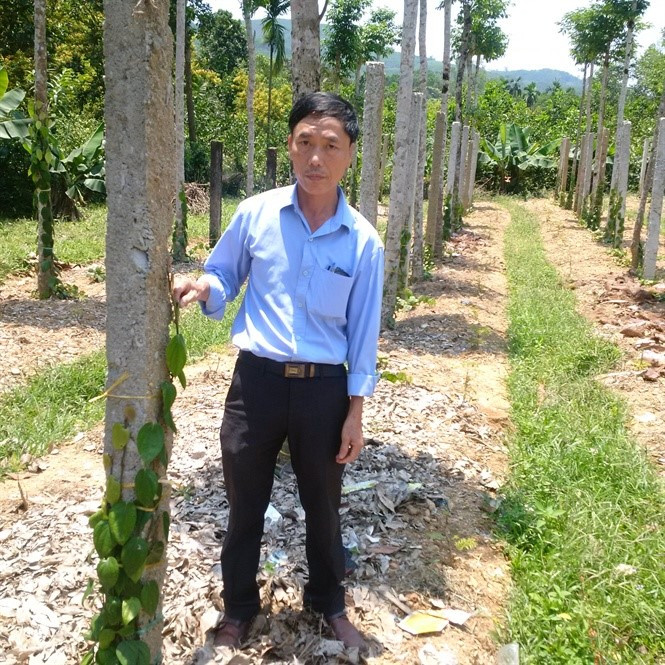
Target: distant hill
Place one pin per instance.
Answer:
(543, 78)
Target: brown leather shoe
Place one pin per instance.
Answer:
(231, 632)
(346, 632)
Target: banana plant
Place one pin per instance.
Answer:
(514, 152)
(13, 124)
(81, 169)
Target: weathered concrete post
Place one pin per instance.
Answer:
(372, 123)
(474, 146)
(407, 236)
(617, 212)
(577, 202)
(565, 165)
(599, 182)
(563, 158)
(416, 264)
(398, 212)
(140, 173)
(645, 162)
(461, 170)
(586, 182)
(385, 146)
(271, 168)
(180, 231)
(455, 136)
(656, 210)
(436, 180)
(215, 225)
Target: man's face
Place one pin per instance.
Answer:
(321, 151)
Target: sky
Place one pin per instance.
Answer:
(533, 34)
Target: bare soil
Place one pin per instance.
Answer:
(417, 509)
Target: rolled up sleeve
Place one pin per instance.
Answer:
(363, 323)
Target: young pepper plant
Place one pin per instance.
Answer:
(127, 532)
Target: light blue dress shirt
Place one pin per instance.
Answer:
(311, 297)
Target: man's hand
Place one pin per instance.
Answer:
(352, 433)
(187, 290)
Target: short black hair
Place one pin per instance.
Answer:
(326, 104)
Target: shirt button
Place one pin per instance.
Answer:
(298, 337)
(310, 239)
(305, 272)
(299, 304)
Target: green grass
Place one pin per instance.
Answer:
(54, 405)
(84, 241)
(584, 511)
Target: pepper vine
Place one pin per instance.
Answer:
(129, 535)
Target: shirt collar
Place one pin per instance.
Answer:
(342, 216)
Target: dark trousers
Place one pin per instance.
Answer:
(263, 408)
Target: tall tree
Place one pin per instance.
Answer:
(377, 38)
(341, 44)
(305, 47)
(273, 35)
(221, 41)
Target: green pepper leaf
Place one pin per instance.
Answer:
(183, 379)
(150, 597)
(107, 657)
(133, 652)
(133, 557)
(113, 609)
(113, 490)
(106, 636)
(108, 571)
(150, 441)
(103, 538)
(130, 610)
(88, 659)
(176, 355)
(169, 394)
(147, 487)
(122, 518)
(119, 436)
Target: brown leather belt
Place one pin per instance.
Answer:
(292, 370)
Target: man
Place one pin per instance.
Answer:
(313, 299)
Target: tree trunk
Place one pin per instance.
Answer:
(474, 146)
(636, 245)
(216, 161)
(438, 244)
(435, 184)
(398, 213)
(658, 185)
(576, 153)
(251, 84)
(456, 215)
(589, 85)
(140, 172)
(619, 188)
(269, 98)
(453, 155)
(417, 259)
(46, 273)
(271, 168)
(372, 121)
(189, 92)
(305, 47)
(626, 64)
(180, 232)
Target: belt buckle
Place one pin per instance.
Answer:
(294, 370)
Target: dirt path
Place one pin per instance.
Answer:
(621, 309)
(415, 515)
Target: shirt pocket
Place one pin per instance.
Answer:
(328, 294)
